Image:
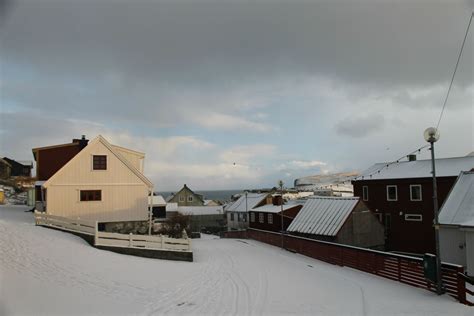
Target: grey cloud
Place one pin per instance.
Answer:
(360, 126)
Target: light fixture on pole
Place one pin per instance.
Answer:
(431, 135)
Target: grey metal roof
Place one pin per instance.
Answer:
(445, 167)
(270, 208)
(323, 215)
(253, 199)
(458, 209)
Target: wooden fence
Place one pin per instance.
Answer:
(405, 269)
(142, 241)
(63, 223)
(152, 242)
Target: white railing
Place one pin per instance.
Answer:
(153, 242)
(157, 242)
(65, 223)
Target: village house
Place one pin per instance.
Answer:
(19, 168)
(158, 205)
(269, 216)
(209, 219)
(401, 196)
(186, 197)
(237, 211)
(5, 169)
(456, 220)
(94, 181)
(344, 220)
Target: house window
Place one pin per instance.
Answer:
(261, 218)
(99, 162)
(365, 193)
(232, 216)
(181, 198)
(244, 217)
(414, 217)
(252, 217)
(91, 195)
(392, 193)
(415, 192)
(270, 219)
(379, 217)
(190, 198)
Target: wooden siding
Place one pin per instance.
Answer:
(135, 159)
(124, 194)
(406, 236)
(288, 217)
(50, 160)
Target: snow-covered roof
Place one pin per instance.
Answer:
(246, 203)
(445, 167)
(270, 208)
(171, 207)
(323, 215)
(458, 209)
(201, 210)
(27, 163)
(158, 200)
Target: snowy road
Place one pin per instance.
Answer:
(48, 272)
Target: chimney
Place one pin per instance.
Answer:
(82, 142)
(411, 157)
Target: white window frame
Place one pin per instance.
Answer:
(181, 198)
(261, 218)
(190, 198)
(232, 217)
(396, 193)
(270, 218)
(421, 192)
(365, 193)
(252, 217)
(414, 217)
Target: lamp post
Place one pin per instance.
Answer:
(431, 135)
(280, 184)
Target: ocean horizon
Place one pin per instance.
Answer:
(219, 195)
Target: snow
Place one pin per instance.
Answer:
(48, 272)
(458, 209)
(270, 208)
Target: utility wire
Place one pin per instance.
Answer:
(454, 73)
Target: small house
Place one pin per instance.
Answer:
(273, 217)
(237, 212)
(186, 197)
(158, 205)
(456, 221)
(210, 219)
(344, 220)
(20, 168)
(5, 169)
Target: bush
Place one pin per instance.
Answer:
(175, 225)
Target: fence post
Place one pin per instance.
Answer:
(399, 270)
(461, 287)
(130, 240)
(96, 232)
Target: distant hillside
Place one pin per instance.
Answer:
(335, 181)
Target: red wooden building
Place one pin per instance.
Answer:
(50, 159)
(401, 195)
(269, 217)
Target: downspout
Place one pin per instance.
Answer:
(150, 211)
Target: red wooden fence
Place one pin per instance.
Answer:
(405, 269)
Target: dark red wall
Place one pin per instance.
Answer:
(406, 236)
(50, 160)
(289, 215)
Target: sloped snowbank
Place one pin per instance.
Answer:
(47, 272)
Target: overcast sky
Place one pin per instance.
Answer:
(237, 94)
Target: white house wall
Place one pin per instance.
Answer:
(452, 245)
(134, 159)
(124, 194)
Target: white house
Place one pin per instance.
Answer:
(237, 212)
(456, 218)
(102, 183)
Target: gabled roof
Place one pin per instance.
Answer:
(201, 210)
(458, 208)
(445, 167)
(157, 200)
(270, 208)
(246, 203)
(114, 151)
(323, 215)
(5, 162)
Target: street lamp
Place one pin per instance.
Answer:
(280, 184)
(431, 135)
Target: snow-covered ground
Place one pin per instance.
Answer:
(48, 272)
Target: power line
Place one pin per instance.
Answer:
(454, 73)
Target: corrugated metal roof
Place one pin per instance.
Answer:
(201, 210)
(270, 208)
(323, 215)
(445, 167)
(253, 199)
(458, 209)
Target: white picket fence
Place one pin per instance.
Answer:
(152, 242)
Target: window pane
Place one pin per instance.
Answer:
(99, 162)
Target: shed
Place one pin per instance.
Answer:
(456, 220)
(269, 217)
(345, 220)
(237, 211)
